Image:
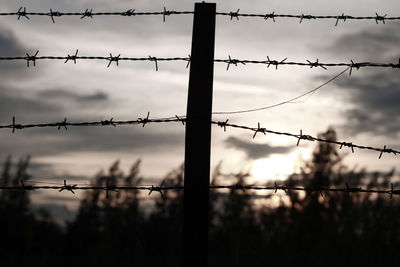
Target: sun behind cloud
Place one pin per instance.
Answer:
(275, 167)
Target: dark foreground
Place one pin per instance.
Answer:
(336, 229)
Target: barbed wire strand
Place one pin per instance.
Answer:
(301, 136)
(301, 17)
(284, 102)
(223, 124)
(23, 13)
(111, 122)
(74, 57)
(229, 61)
(160, 188)
(270, 62)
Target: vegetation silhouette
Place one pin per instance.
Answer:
(300, 229)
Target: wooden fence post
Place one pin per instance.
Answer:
(198, 137)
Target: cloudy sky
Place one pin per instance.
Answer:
(362, 108)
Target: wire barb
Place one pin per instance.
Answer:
(108, 122)
(189, 59)
(87, 13)
(53, 14)
(238, 187)
(380, 18)
(66, 187)
(166, 13)
(234, 14)
(62, 124)
(15, 126)
(316, 64)
(180, 119)
(22, 13)
(223, 124)
(145, 120)
(348, 145)
(283, 187)
(354, 65)
(341, 17)
(352, 189)
(33, 58)
(155, 61)
(387, 150)
(73, 58)
(271, 15)
(157, 189)
(110, 187)
(111, 59)
(25, 188)
(274, 62)
(304, 137)
(257, 130)
(306, 17)
(233, 61)
(129, 12)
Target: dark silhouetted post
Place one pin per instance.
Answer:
(198, 137)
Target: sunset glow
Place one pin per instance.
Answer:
(276, 167)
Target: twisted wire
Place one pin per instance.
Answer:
(301, 136)
(301, 17)
(160, 188)
(182, 119)
(31, 59)
(23, 13)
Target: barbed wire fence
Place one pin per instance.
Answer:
(201, 247)
(31, 60)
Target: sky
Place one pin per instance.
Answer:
(362, 108)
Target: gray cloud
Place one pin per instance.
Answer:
(376, 98)
(50, 105)
(255, 151)
(44, 105)
(374, 93)
(17, 103)
(371, 44)
(10, 46)
(50, 141)
(64, 94)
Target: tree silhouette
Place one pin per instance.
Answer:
(128, 228)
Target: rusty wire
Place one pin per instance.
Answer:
(160, 188)
(182, 119)
(31, 59)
